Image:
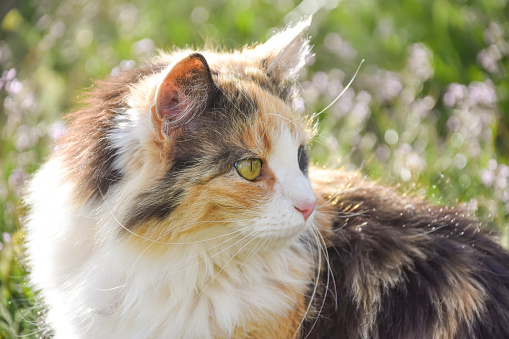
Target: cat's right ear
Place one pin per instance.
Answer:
(182, 96)
(285, 53)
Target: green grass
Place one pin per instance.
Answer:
(428, 111)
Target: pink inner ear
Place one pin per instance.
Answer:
(184, 93)
(168, 101)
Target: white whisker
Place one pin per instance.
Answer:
(219, 272)
(212, 256)
(284, 118)
(342, 92)
(315, 288)
(250, 100)
(172, 230)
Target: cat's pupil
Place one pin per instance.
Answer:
(303, 160)
(249, 168)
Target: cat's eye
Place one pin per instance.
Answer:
(249, 168)
(303, 159)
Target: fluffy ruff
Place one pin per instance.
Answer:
(99, 286)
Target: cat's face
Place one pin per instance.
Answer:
(210, 146)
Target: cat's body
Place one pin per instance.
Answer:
(405, 269)
(179, 205)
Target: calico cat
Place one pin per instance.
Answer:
(180, 204)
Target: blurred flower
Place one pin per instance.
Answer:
(26, 137)
(383, 153)
(481, 93)
(9, 81)
(56, 130)
(144, 48)
(385, 28)
(421, 107)
(6, 237)
(84, 38)
(419, 63)
(125, 65)
(343, 49)
(496, 176)
(200, 15)
(497, 49)
(385, 85)
(320, 81)
(126, 15)
(455, 93)
(460, 161)
(473, 114)
(17, 180)
(391, 136)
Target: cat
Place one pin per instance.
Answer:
(180, 204)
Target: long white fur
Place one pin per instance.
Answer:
(97, 287)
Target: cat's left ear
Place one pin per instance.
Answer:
(285, 53)
(183, 95)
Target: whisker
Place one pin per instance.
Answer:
(342, 92)
(343, 214)
(253, 252)
(216, 275)
(315, 288)
(190, 258)
(230, 100)
(321, 245)
(172, 230)
(284, 118)
(250, 100)
(212, 256)
(202, 240)
(434, 229)
(330, 274)
(112, 288)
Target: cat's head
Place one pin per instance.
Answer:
(206, 143)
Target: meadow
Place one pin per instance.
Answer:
(428, 111)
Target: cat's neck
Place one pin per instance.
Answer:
(225, 285)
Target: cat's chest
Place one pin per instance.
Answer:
(200, 298)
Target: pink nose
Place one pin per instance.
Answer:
(306, 208)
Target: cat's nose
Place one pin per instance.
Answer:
(306, 207)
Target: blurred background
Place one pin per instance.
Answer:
(428, 111)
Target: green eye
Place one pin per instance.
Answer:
(249, 168)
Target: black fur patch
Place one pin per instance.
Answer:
(85, 148)
(407, 255)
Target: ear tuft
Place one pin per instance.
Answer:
(286, 53)
(183, 95)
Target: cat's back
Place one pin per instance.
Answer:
(399, 267)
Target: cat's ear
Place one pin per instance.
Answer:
(285, 53)
(183, 95)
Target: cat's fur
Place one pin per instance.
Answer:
(140, 225)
